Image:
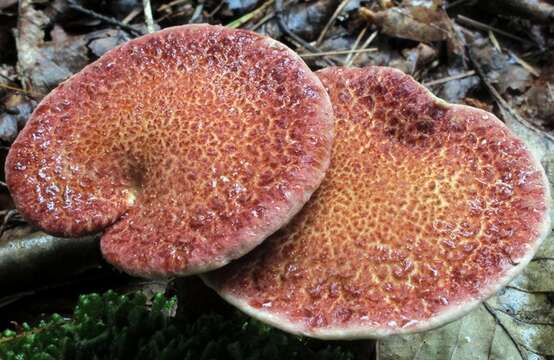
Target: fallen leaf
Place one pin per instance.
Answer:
(412, 22)
(44, 64)
(419, 56)
(99, 42)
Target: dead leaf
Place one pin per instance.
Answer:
(99, 42)
(419, 56)
(537, 104)
(412, 22)
(501, 70)
(44, 64)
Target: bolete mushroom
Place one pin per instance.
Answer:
(187, 147)
(427, 209)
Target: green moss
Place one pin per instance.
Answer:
(113, 326)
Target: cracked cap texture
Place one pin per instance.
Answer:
(427, 209)
(187, 147)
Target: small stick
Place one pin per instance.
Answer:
(450, 78)
(365, 45)
(133, 14)
(171, 4)
(347, 61)
(265, 19)
(455, 3)
(268, 17)
(285, 29)
(500, 100)
(249, 16)
(337, 52)
(331, 21)
(494, 41)
(148, 16)
(525, 64)
(30, 94)
(106, 19)
(14, 88)
(520, 61)
(196, 13)
(484, 27)
(217, 8)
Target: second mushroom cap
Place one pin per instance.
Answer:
(427, 209)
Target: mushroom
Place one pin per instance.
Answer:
(186, 147)
(428, 208)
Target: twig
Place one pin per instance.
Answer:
(347, 61)
(171, 4)
(450, 78)
(364, 46)
(14, 88)
(525, 64)
(484, 27)
(148, 16)
(263, 20)
(285, 29)
(217, 8)
(268, 17)
(538, 52)
(337, 52)
(456, 3)
(331, 21)
(133, 14)
(520, 61)
(500, 100)
(497, 320)
(494, 41)
(249, 16)
(197, 13)
(106, 19)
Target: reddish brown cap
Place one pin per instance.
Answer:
(427, 209)
(188, 147)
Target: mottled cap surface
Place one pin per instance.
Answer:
(187, 147)
(427, 209)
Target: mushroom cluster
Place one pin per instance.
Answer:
(189, 147)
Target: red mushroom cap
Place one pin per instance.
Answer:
(188, 147)
(427, 209)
